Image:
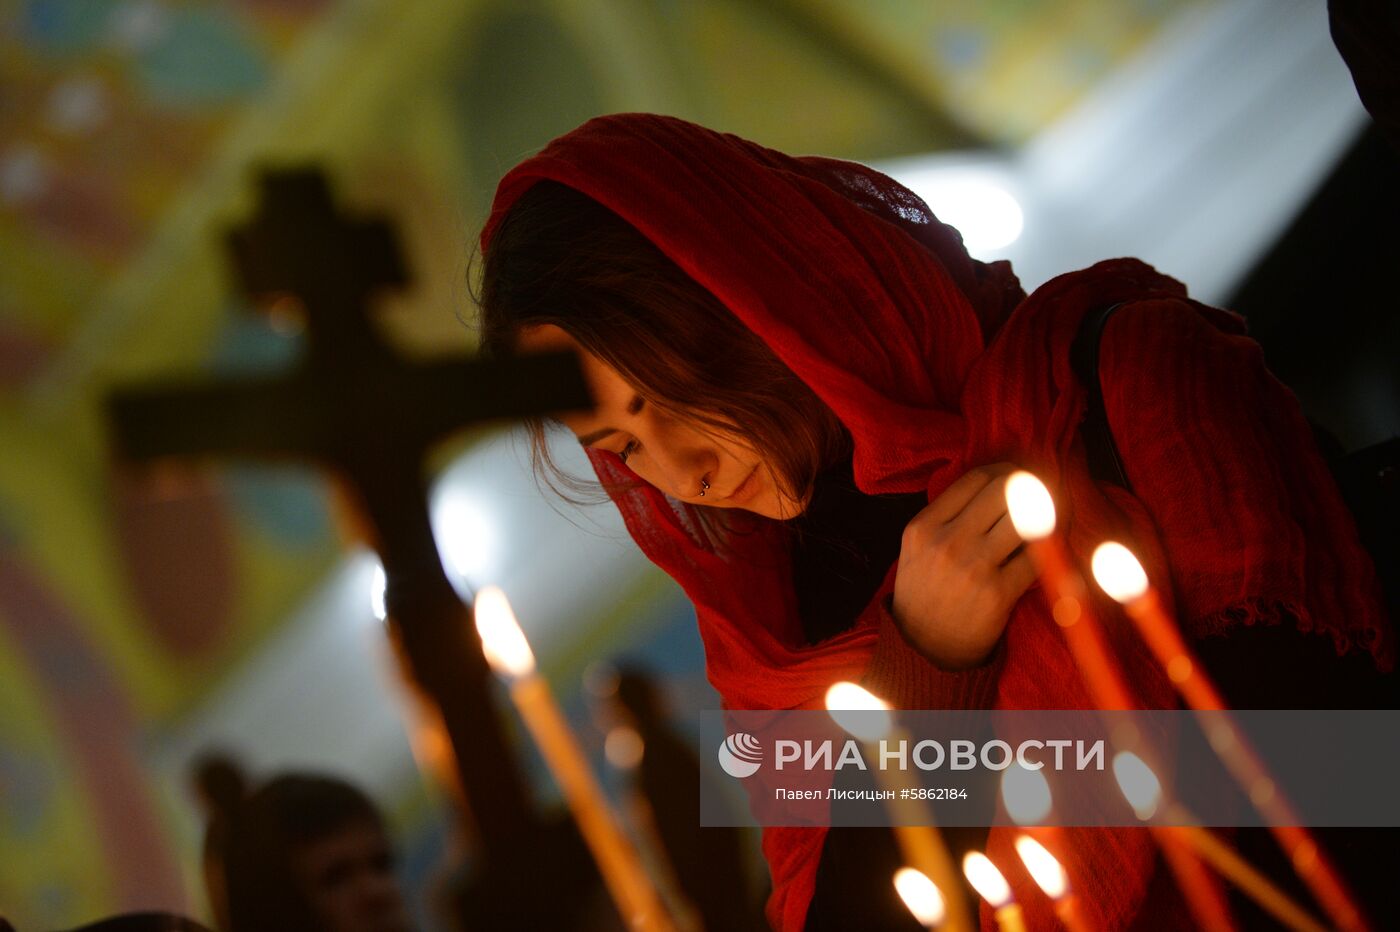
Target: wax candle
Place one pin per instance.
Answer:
(1120, 574)
(1143, 791)
(1050, 876)
(988, 881)
(920, 895)
(920, 842)
(510, 656)
(1032, 513)
(1026, 795)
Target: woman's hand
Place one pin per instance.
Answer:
(961, 569)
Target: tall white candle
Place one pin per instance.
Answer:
(510, 656)
(920, 843)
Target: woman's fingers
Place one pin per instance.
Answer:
(985, 510)
(951, 503)
(970, 517)
(1017, 574)
(960, 571)
(1002, 539)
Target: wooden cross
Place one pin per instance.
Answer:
(354, 406)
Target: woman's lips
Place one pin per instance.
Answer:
(745, 488)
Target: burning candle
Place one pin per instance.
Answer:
(1142, 789)
(1144, 793)
(1120, 574)
(510, 656)
(1032, 513)
(988, 881)
(1026, 795)
(921, 896)
(865, 717)
(1138, 784)
(1050, 876)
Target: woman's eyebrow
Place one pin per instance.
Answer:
(633, 407)
(590, 439)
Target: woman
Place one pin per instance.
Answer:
(807, 395)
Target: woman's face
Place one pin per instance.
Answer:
(671, 453)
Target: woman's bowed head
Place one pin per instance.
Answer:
(696, 406)
(688, 399)
(807, 395)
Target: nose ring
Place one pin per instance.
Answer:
(704, 487)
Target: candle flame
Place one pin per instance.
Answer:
(1047, 872)
(858, 711)
(1138, 783)
(1026, 794)
(988, 881)
(919, 894)
(501, 638)
(1118, 572)
(1030, 506)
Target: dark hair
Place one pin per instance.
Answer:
(263, 835)
(301, 808)
(559, 257)
(219, 781)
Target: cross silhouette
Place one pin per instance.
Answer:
(354, 406)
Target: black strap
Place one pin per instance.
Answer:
(1105, 464)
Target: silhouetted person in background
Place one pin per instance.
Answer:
(303, 852)
(219, 786)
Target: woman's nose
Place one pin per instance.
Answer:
(696, 486)
(684, 469)
(688, 481)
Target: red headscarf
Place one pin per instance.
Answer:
(936, 363)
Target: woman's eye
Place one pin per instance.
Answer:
(632, 447)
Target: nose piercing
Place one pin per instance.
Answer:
(704, 487)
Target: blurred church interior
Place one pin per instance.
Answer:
(147, 620)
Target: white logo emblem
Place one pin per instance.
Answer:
(740, 755)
